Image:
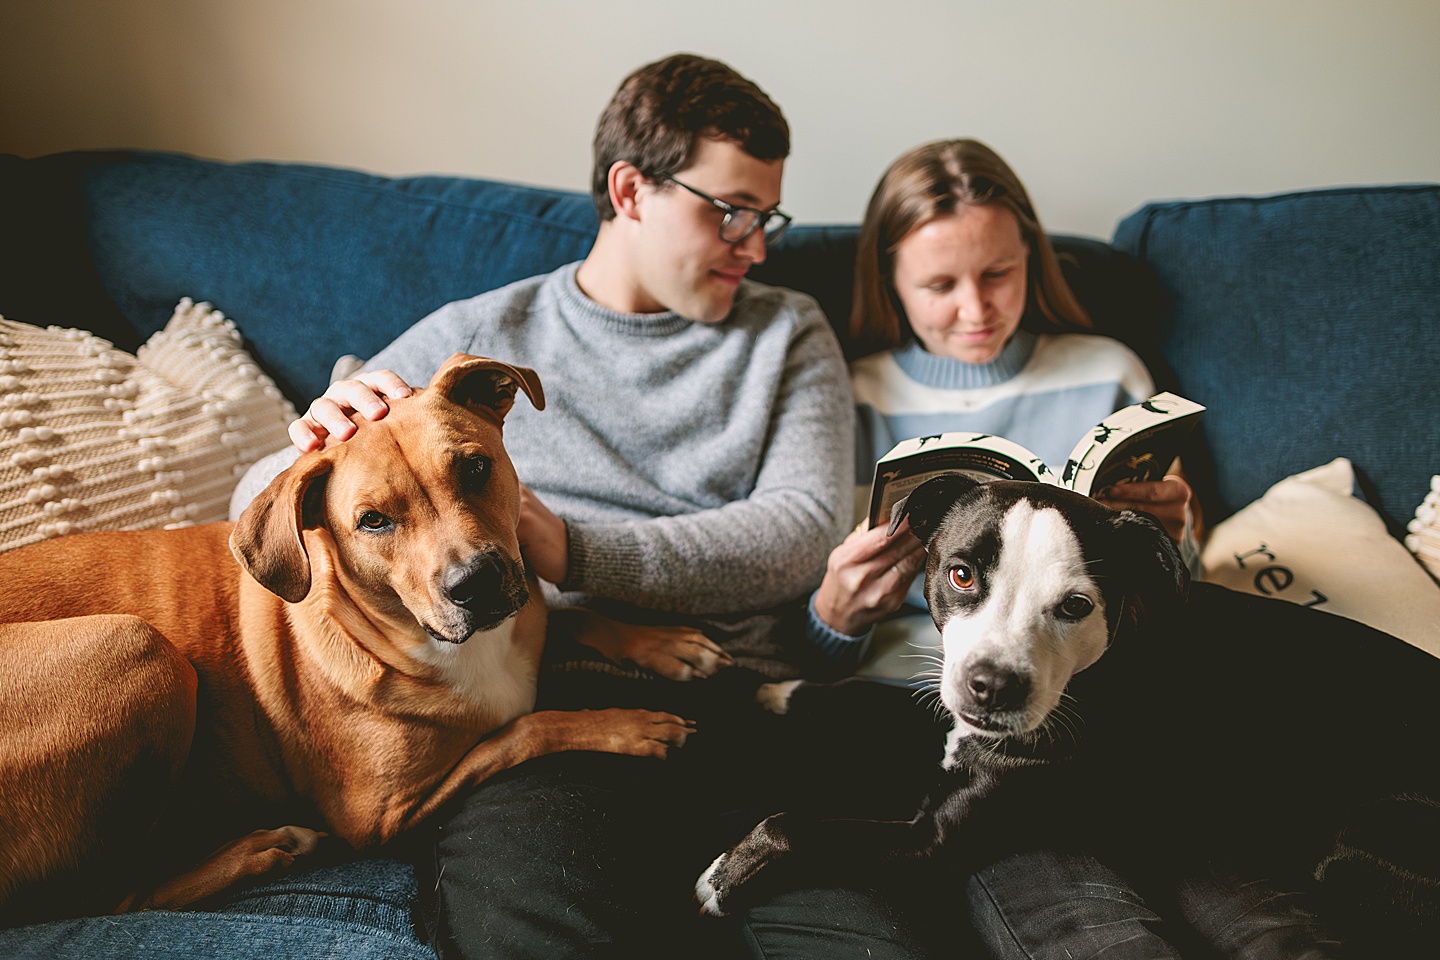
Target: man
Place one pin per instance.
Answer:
(692, 466)
(706, 410)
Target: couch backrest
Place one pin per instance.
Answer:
(1309, 324)
(311, 262)
(1306, 322)
(315, 262)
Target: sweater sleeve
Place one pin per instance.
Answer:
(766, 549)
(841, 650)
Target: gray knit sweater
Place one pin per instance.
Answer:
(703, 470)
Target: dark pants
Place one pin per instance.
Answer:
(583, 855)
(1042, 905)
(1046, 904)
(594, 855)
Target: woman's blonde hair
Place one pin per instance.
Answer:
(931, 181)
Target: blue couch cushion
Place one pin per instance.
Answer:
(1307, 324)
(314, 262)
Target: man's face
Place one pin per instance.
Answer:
(681, 262)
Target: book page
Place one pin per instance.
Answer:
(1138, 442)
(982, 456)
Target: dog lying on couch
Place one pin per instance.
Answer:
(371, 647)
(1099, 698)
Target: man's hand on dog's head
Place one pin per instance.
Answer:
(329, 416)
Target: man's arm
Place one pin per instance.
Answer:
(754, 553)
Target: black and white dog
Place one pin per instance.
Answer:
(1100, 698)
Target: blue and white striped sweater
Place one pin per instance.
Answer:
(1043, 391)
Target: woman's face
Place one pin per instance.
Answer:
(961, 279)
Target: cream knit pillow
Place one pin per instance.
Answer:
(93, 438)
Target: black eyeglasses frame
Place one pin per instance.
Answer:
(763, 220)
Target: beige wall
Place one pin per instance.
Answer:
(1099, 104)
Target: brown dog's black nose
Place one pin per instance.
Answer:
(993, 688)
(477, 585)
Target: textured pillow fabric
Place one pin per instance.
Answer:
(1310, 541)
(93, 438)
(1424, 536)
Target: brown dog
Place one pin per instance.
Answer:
(374, 651)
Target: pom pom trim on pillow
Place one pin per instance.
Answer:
(93, 438)
(1423, 538)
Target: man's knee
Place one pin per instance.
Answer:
(569, 855)
(835, 922)
(1043, 904)
(1252, 916)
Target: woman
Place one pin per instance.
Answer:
(957, 280)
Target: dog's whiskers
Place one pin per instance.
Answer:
(927, 687)
(928, 697)
(1064, 721)
(933, 671)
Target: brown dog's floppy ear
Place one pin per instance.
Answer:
(267, 539)
(481, 382)
(928, 503)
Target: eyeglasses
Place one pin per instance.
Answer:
(740, 222)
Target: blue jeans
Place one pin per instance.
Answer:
(354, 911)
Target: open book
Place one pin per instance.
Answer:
(1138, 442)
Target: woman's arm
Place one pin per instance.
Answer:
(867, 578)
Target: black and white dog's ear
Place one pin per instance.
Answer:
(1150, 564)
(928, 503)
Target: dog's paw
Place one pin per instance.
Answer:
(265, 851)
(253, 855)
(775, 697)
(638, 733)
(709, 889)
(735, 877)
(676, 653)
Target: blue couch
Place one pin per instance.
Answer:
(1305, 322)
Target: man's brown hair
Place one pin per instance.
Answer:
(663, 108)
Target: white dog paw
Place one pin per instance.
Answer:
(705, 890)
(775, 697)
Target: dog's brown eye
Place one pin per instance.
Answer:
(373, 520)
(1076, 607)
(962, 577)
(474, 472)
